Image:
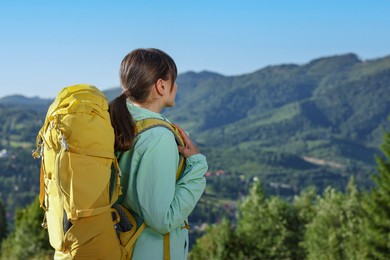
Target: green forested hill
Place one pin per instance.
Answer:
(279, 120)
(291, 125)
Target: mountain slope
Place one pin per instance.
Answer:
(330, 109)
(266, 123)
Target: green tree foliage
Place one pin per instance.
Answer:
(19, 180)
(219, 242)
(29, 240)
(304, 212)
(3, 222)
(377, 208)
(335, 231)
(327, 226)
(265, 229)
(264, 225)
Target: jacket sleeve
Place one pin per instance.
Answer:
(165, 203)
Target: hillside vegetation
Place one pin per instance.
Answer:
(290, 125)
(294, 125)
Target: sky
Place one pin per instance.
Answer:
(51, 44)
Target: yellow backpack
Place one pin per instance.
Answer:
(76, 144)
(77, 184)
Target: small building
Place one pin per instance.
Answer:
(3, 153)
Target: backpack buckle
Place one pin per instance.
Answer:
(44, 222)
(64, 144)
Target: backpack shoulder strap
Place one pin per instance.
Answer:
(148, 123)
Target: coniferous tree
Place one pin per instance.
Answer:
(335, 230)
(264, 227)
(377, 208)
(304, 212)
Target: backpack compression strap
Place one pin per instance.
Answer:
(147, 124)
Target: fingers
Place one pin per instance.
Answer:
(183, 134)
(182, 149)
(190, 148)
(187, 151)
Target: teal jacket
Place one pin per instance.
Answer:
(151, 192)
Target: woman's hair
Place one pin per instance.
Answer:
(139, 70)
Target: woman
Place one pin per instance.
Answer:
(149, 161)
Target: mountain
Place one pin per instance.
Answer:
(269, 122)
(337, 88)
(21, 101)
(290, 125)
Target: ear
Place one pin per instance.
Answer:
(160, 88)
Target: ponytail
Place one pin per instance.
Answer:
(139, 70)
(122, 122)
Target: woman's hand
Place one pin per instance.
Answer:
(190, 148)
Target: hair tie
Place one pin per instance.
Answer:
(123, 96)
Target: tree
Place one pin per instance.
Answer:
(29, 239)
(219, 242)
(304, 212)
(377, 207)
(265, 227)
(335, 231)
(264, 231)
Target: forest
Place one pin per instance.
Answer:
(298, 155)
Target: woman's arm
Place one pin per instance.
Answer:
(164, 203)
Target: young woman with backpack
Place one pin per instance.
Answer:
(149, 161)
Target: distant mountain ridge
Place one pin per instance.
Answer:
(22, 100)
(268, 122)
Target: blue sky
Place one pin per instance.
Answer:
(47, 45)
